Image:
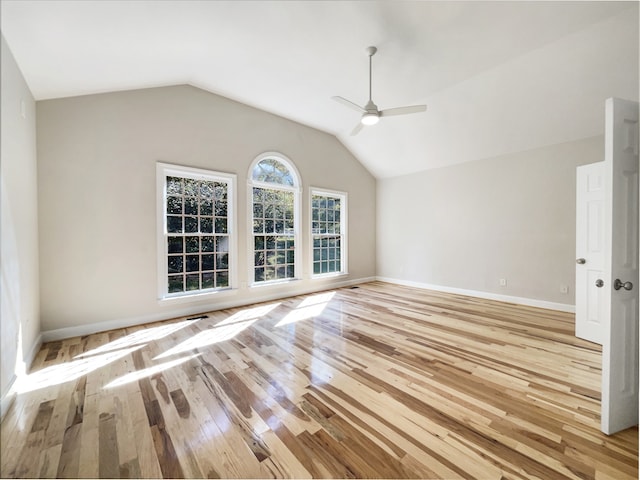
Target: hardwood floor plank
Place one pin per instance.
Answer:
(108, 464)
(88, 466)
(165, 450)
(68, 463)
(227, 433)
(127, 459)
(43, 417)
(383, 381)
(145, 451)
(49, 461)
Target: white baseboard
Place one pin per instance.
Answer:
(531, 302)
(9, 395)
(90, 328)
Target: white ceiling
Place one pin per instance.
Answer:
(498, 77)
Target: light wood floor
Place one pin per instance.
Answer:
(376, 381)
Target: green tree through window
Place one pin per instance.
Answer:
(328, 214)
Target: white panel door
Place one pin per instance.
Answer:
(589, 250)
(620, 298)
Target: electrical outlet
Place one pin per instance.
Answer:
(503, 282)
(564, 289)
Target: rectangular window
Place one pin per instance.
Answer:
(197, 231)
(273, 234)
(328, 232)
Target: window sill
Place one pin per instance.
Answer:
(197, 297)
(274, 283)
(323, 276)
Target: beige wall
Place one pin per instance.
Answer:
(469, 225)
(19, 310)
(97, 157)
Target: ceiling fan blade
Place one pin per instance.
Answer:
(348, 103)
(356, 129)
(403, 110)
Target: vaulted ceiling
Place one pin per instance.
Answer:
(498, 77)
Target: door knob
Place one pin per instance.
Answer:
(599, 283)
(580, 261)
(618, 285)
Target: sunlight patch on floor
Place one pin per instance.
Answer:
(65, 372)
(222, 331)
(310, 307)
(148, 372)
(141, 336)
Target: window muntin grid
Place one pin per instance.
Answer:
(273, 234)
(327, 231)
(272, 170)
(197, 234)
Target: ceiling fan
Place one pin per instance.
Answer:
(370, 112)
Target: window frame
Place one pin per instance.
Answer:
(296, 189)
(344, 263)
(164, 170)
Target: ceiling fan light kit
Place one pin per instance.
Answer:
(370, 113)
(370, 118)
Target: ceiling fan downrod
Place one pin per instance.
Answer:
(372, 115)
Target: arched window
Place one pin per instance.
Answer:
(275, 204)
